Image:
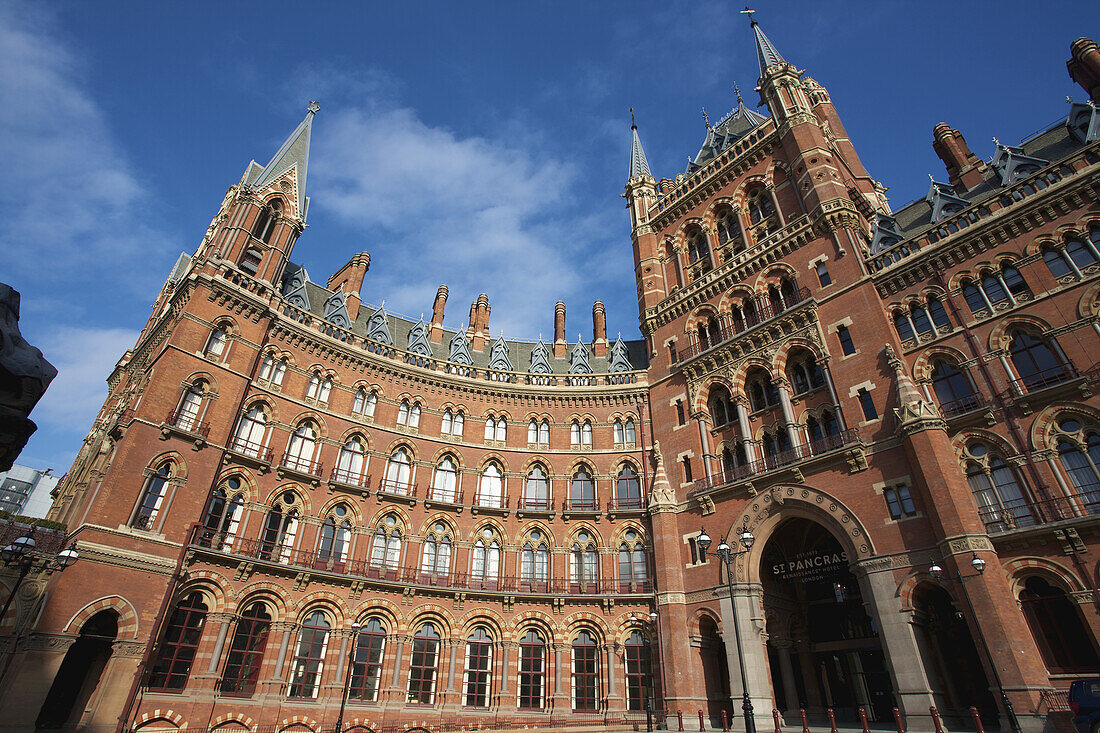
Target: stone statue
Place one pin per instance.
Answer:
(24, 377)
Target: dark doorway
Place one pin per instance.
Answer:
(80, 671)
(716, 675)
(831, 644)
(1055, 622)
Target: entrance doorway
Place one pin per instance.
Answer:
(80, 671)
(822, 643)
(716, 675)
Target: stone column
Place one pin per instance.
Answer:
(750, 622)
(786, 672)
(704, 441)
(563, 699)
(274, 682)
(745, 428)
(775, 203)
(788, 413)
(506, 650)
(614, 699)
(393, 691)
(226, 620)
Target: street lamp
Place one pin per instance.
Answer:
(347, 675)
(725, 555)
(21, 552)
(978, 564)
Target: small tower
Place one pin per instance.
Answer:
(641, 195)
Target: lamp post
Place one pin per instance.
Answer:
(978, 564)
(347, 675)
(725, 555)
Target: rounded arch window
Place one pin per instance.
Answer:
(246, 651)
(536, 488)
(177, 650)
(1000, 493)
(366, 670)
(223, 514)
(532, 671)
(309, 657)
(639, 682)
(445, 480)
(436, 559)
(385, 551)
(953, 389)
(628, 489)
(424, 665)
(586, 671)
(1060, 633)
(152, 496)
(398, 473)
(1079, 455)
(479, 663)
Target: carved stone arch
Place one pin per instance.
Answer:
(229, 721)
(531, 461)
(147, 721)
(1070, 230)
(772, 273)
(579, 461)
(492, 457)
(127, 616)
(999, 336)
(735, 295)
(703, 312)
(626, 460)
(703, 392)
(179, 465)
(296, 723)
(355, 513)
(227, 321)
(408, 445)
(922, 368)
(999, 443)
(248, 482)
(266, 405)
(697, 617)
(482, 617)
(207, 378)
(440, 518)
(1019, 569)
(622, 529)
(571, 537)
(694, 222)
(314, 417)
(445, 451)
(492, 523)
(216, 590)
(622, 626)
(753, 362)
(716, 206)
(434, 613)
(574, 622)
(357, 430)
(1089, 304)
(301, 496)
(1041, 431)
(396, 511)
(323, 600)
(532, 618)
(749, 184)
(536, 524)
(379, 606)
(414, 399)
(1041, 241)
(793, 344)
(360, 725)
(267, 592)
(912, 583)
(768, 509)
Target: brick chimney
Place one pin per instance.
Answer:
(349, 278)
(435, 331)
(599, 329)
(1084, 66)
(481, 322)
(560, 347)
(963, 167)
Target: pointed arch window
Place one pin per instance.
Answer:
(582, 490)
(698, 250)
(152, 496)
(398, 473)
(584, 564)
(335, 540)
(639, 679)
(485, 560)
(425, 662)
(628, 489)
(366, 670)
(181, 640)
(1036, 363)
(251, 433)
(532, 671)
(187, 414)
(280, 529)
(386, 546)
(301, 449)
(309, 657)
(223, 515)
(479, 663)
(246, 652)
(953, 389)
(533, 432)
(435, 562)
(313, 390)
(535, 562)
(351, 462)
(536, 488)
(1055, 621)
(273, 369)
(1000, 495)
(364, 403)
(1079, 454)
(445, 481)
(632, 563)
(452, 423)
(264, 227)
(408, 414)
(216, 343)
(586, 672)
(490, 490)
(938, 312)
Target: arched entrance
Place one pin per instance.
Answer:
(716, 675)
(823, 649)
(954, 668)
(80, 671)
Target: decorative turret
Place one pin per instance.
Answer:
(1084, 66)
(641, 196)
(963, 167)
(914, 412)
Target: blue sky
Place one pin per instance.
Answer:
(479, 144)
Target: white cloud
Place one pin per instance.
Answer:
(84, 357)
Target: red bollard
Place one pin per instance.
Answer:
(936, 718)
(701, 726)
(680, 720)
(832, 721)
(863, 720)
(897, 720)
(726, 722)
(775, 717)
(977, 719)
(805, 725)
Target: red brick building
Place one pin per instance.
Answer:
(291, 498)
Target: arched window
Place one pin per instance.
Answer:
(301, 448)
(575, 434)
(223, 515)
(698, 251)
(760, 206)
(351, 462)
(444, 481)
(1057, 262)
(264, 227)
(485, 560)
(1035, 362)
(267, 367)
(215, 345)
(544, 433)
(952, 388)
(366, 670)
(280, 528)
(177, 648)
(586, 672)
(246, 652)
(151, 497)
(496, 429)
(582, 491)
(535, 562)
(1079, 454)
(762, 391)
(902, 325)
(728, 230)
(452, 423)
(490, 490)
(584, 564)
(586, 434)
(639, 681)
(532, 671)
(385, 551)
(1055, 622)
(398, 473)
(632, 564)
(435, 561)
(422, 671)
(938, 312)
(250, 260)
(251, 432)
(628, 490)
(309, 657)
(536, 489)
(479, 662)
(628, 430)
(187, 414)
(805, 373)
(365, 402)
(533, 432)
(995, 287)
(1000, 495)
(332, 552)
(313, 389)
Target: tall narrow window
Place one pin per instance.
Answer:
(267, 367)
(369, 404)
(436, 560)
(534, 563)
(251, 432)
(444, 481)
(490, 491)
(952, 389)
(867, 405)
(187, 416)
(152, 497)
(536, 489)
(639, 682)
(584, 564)
(1035, 362)
(264, 226)
(301, 448)
(533, 432)
(899, 502)
(485, 561)
(223, 514)
(479, 662)
(501, 431)
(823, 275)
(246, 652)
(366, 670)
(360, 400)
(1055, 622)
(847, 346)
(582, 491)
(350, 463)
(403, 413)
(425, 660)
(332, 552)
(999, 495)
(680, 418)
(628, 490)
(398, 473)
(250, 260)
(309, 658)
(1079, 454)
(386, 545)
(532, 671)
(629, 431)
(632, 564)
(575, 434)
(544, 433)
(215, 345)
(279, 529)
(177, 649)
(586, 672)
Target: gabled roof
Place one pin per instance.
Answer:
(293, 153)
(729, 130)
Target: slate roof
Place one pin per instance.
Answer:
(293, 152)
(730, 129)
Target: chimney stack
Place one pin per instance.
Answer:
(435, 331)
(560, 347)
(349, 279)
(1084, 66)
(599, 329)
(963, 167)
(481, 322)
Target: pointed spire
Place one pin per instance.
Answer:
(294, 151)
(639, 166)
(766, 53)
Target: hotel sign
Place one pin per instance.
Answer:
(807, 567)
